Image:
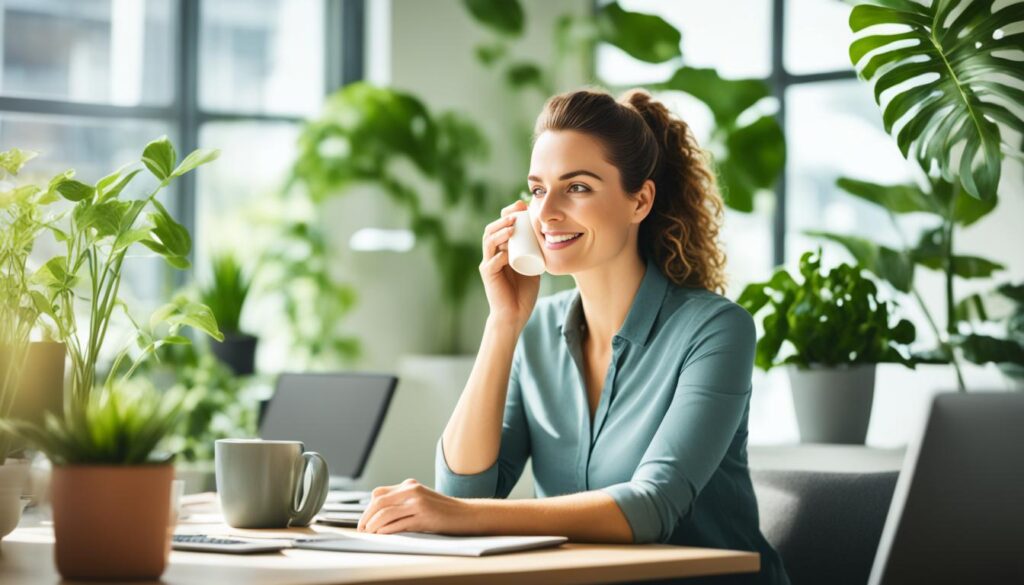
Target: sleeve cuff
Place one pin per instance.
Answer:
(639, 510)
(449, 483)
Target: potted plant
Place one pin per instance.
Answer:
(105, 442)
(835, 329)
(24, 396)
(107, 472)
(225, 294)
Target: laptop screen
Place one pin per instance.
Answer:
(335, 414)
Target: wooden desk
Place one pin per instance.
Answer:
(26, 558)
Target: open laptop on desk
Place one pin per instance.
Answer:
(957, 514)
(337, 414)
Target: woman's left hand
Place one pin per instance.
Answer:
(411, 506)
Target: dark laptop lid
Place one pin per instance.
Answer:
(335, 414)
(957, 514)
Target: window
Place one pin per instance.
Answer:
(87, 83)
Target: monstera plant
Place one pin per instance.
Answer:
(950, 78)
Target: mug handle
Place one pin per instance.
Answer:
(314, 499)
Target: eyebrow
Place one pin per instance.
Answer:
(568, 176)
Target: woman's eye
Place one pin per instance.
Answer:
(578, 188)
(535, 193)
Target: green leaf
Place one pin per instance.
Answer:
(105, 218)
(907, 198)
(891, 265)
(12, 160)
(159, 157)
(645, 37)
(503, 16)
(183, 312)
(54, 274)
(174, 237)
(947, 86)
(73, 190)
(521, 75)
(112, 189)
(982, 349)
(197, 157)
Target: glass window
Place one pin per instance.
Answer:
(834, 130)
(817, 36)
(712, 37)
(263, 56)
(254, 163)
(105, 51)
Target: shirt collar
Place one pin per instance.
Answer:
(642, 313)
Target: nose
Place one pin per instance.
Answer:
(547, 209)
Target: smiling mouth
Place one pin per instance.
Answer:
(560, 239)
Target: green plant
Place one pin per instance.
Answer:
(363, 131)
(950, 207)
(950, 74)
(21, 222)
(226, 292)
(121, 425)
(1002, 308)
(100, 230)
(829, 319)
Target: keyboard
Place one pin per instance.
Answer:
(206, 543)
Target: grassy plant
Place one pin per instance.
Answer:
(226, 292)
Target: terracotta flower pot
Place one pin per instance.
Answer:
(112, 522)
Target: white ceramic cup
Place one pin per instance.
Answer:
(524, 253)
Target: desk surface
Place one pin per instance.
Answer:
(27, 559)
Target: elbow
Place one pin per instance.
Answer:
(653, 513)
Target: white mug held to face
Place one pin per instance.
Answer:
(524, 253)
(511, 295)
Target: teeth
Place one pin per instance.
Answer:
(557, 239)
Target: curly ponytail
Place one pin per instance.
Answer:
(645, 141)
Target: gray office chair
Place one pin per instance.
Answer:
(826, 526)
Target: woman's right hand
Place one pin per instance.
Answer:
(511, 295)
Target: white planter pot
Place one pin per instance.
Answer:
(13, 480)
(833, 405)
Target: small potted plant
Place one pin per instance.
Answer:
(835, 330)
(22, 219)
(108, 472)
(102, 447)
(225, 294)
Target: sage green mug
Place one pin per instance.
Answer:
(261, 483)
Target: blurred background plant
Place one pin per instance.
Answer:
(225, 293)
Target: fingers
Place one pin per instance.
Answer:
(519, 205)
(495, 239)
(384, 496)
(390, 514)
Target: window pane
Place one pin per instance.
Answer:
(817, 36)
(834, 130)
(105, 51)
(262, 56)
(712, 37)
(94, 148)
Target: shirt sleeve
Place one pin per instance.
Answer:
(711, 396)
(498, 479)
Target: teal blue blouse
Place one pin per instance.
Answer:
(668, 441)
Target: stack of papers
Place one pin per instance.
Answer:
(417, 543)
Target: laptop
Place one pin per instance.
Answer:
(957, 513)
(337, 414)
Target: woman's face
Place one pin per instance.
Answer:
(576, 192)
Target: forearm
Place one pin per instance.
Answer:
(584, 517)
(473, 435)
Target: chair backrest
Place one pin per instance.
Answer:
(826, 526)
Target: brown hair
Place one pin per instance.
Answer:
(645, 141)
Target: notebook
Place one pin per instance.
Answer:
(418, 543)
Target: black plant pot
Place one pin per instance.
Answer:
(238, 351)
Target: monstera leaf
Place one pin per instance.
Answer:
(949, 72)
(749, 155)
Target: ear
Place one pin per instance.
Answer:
(644, 201)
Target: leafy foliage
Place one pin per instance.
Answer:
(97, 235)
(122, 425)
(1002, 307)
(829, 319)
(21, 221)
(226, 292)
(950, 80)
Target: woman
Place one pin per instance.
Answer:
(631, 392)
